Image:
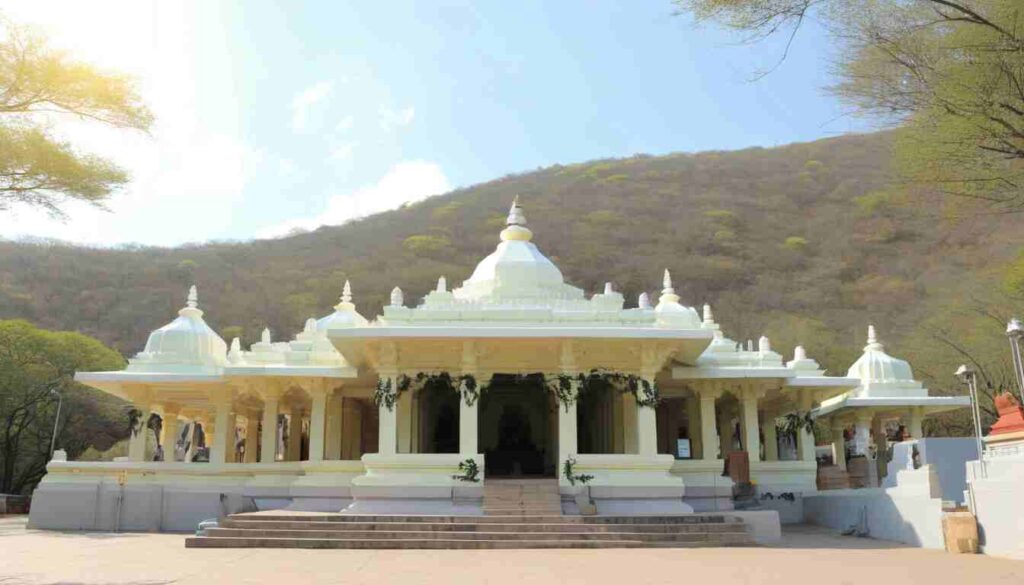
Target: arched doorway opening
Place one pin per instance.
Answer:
(516, 427)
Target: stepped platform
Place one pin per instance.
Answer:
(491, 531)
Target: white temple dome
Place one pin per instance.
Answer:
(671, 313)
(344, 315)
(186, 341)
(516, 269)
(880, 372)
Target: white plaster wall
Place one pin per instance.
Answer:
(912, 520)
(999, 506)
(947, 455)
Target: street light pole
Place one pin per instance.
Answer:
(970, 377)
(1015, 332)
(56, 421)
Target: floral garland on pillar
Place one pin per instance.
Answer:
(386, 395)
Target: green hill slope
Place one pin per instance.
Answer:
(798, 242)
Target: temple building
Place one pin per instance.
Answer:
(515, 373)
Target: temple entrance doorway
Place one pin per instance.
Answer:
(517, 431)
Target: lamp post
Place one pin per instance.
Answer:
(1015, 332)
(970, 377)
(56, 421)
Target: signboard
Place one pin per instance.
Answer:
(683, 448)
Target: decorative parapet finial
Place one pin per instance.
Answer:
(709, 317)
(265, 336)
(442, 284)
(799, 353)
(608, 288)
(763, 344)
(346, 293)
(515, 213)
(873, 342)
(193, 297)
(644, 301)
(310, 325)
(397, 299)
(235, 353)
(666, 282)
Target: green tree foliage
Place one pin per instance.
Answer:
(39, 84)
(36, 367)
(949, 72)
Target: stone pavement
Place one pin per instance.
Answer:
(808, 555)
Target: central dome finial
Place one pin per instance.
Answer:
(516, 224)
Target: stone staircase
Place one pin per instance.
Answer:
(515, 531)
(527, 497)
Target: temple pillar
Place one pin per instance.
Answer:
(387, 428)
(403, 409)
(222, 446)
(708, 432)
(751, 428)
(727, 430)
(862, 434)
(137, 442)
(646, 430)
(839, 446)
(294, 448)
(916, 423)
(804, 436)
(169, 430)
(317, 421)
(771, 438)
(335, 426)
(268, 443)
(693, 427)
(881, 445)
(252, 431)
(567, 432)
(468, 421)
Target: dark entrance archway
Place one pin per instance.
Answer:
(516, 430)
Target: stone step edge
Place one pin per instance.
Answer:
(206, 542)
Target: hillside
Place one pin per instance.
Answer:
(800, 242)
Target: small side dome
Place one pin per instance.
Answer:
(344, 315)
(187, 341)
(670, 313)
(880, 372)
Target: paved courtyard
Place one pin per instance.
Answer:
(808, 555)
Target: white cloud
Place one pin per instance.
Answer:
(405, 182)
(345, 124)
(391, 119)
(342, 152)
(306, 100)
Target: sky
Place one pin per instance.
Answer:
(281, 116)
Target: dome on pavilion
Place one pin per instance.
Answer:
(186, 341)
(879, 371)
(516, 270)
(344, 315)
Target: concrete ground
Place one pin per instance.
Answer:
(807, 555)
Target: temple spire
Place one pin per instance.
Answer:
(873, 342)
(666, 282)
(346, 293)
(515, 224)
(193, 297)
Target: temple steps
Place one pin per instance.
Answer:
(262, 530)
(504, 497)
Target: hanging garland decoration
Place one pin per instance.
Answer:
(561, 387)
(387, 396)
(466, 383)
(644, 391)
(470, 390)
